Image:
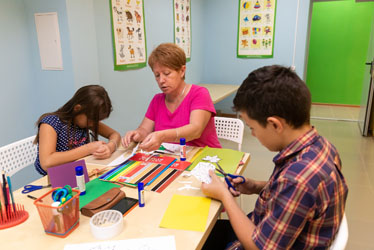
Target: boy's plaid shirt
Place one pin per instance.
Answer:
(302, 204)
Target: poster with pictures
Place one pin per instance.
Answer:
(256, 28)
(128, 30)
(182, 25)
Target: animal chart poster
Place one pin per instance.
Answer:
(182, 25)
(128, 31)
(256, 28)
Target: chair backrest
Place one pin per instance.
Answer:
(341, 238)
(230, 129)
(18, 155)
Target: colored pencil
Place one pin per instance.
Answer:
(11, 193)
(9, 206)
(4, 190)
(3, 208)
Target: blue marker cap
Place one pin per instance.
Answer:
(79, 170)
(182, 141)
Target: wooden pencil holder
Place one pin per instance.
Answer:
(13, 215)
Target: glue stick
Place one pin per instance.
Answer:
(80, 180)
(141, 194)
(183, 149)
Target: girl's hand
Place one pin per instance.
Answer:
(217, 189)
(93, 146)
(152, 141)
(103, 152)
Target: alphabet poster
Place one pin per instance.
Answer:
(182, 25)
(128, 30)
(256, 28)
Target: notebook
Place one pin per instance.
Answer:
(65, 174)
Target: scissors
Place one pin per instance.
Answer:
(31, 188)
(233, 176)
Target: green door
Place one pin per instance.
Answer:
(366, 107)
(339, 38)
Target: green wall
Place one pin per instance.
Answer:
(339, 39)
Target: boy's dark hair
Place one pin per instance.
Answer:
(274, 91)
(95, 104)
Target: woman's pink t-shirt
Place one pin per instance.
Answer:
(197, 98)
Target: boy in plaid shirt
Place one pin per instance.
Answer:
(302, 204)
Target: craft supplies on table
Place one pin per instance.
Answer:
(58, 220)
(156, 172)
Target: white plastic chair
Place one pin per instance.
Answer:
(231, 129)
(341, 238)
(17, 155)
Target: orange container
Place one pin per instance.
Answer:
(62, 220)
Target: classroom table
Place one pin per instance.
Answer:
(218, 92)
(139, 223)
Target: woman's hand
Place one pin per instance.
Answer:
(152, 141)
(133, 135)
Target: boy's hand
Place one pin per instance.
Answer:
(248, 187)
(216, 189)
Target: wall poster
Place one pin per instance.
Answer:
(256, 28)
(128, 31)
(182, 25)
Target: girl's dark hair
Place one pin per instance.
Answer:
(95, 104)
(274, 91)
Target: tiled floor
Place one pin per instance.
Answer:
(357, 155)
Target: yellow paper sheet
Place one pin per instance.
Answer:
(186, 213)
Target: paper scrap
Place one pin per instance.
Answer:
(120, 159)
(154, 243)
(212, 159)
(201, 171)
(187, 213)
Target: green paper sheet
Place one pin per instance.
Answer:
(94, 189)
(230, 158)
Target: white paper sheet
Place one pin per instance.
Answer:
(154, 243)
(201, 171)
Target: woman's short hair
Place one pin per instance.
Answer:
(169, 55)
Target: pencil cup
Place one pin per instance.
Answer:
(58, 220)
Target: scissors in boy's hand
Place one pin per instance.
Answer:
(31, 188)
(233, 176)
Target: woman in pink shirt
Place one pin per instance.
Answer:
(181, 111)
